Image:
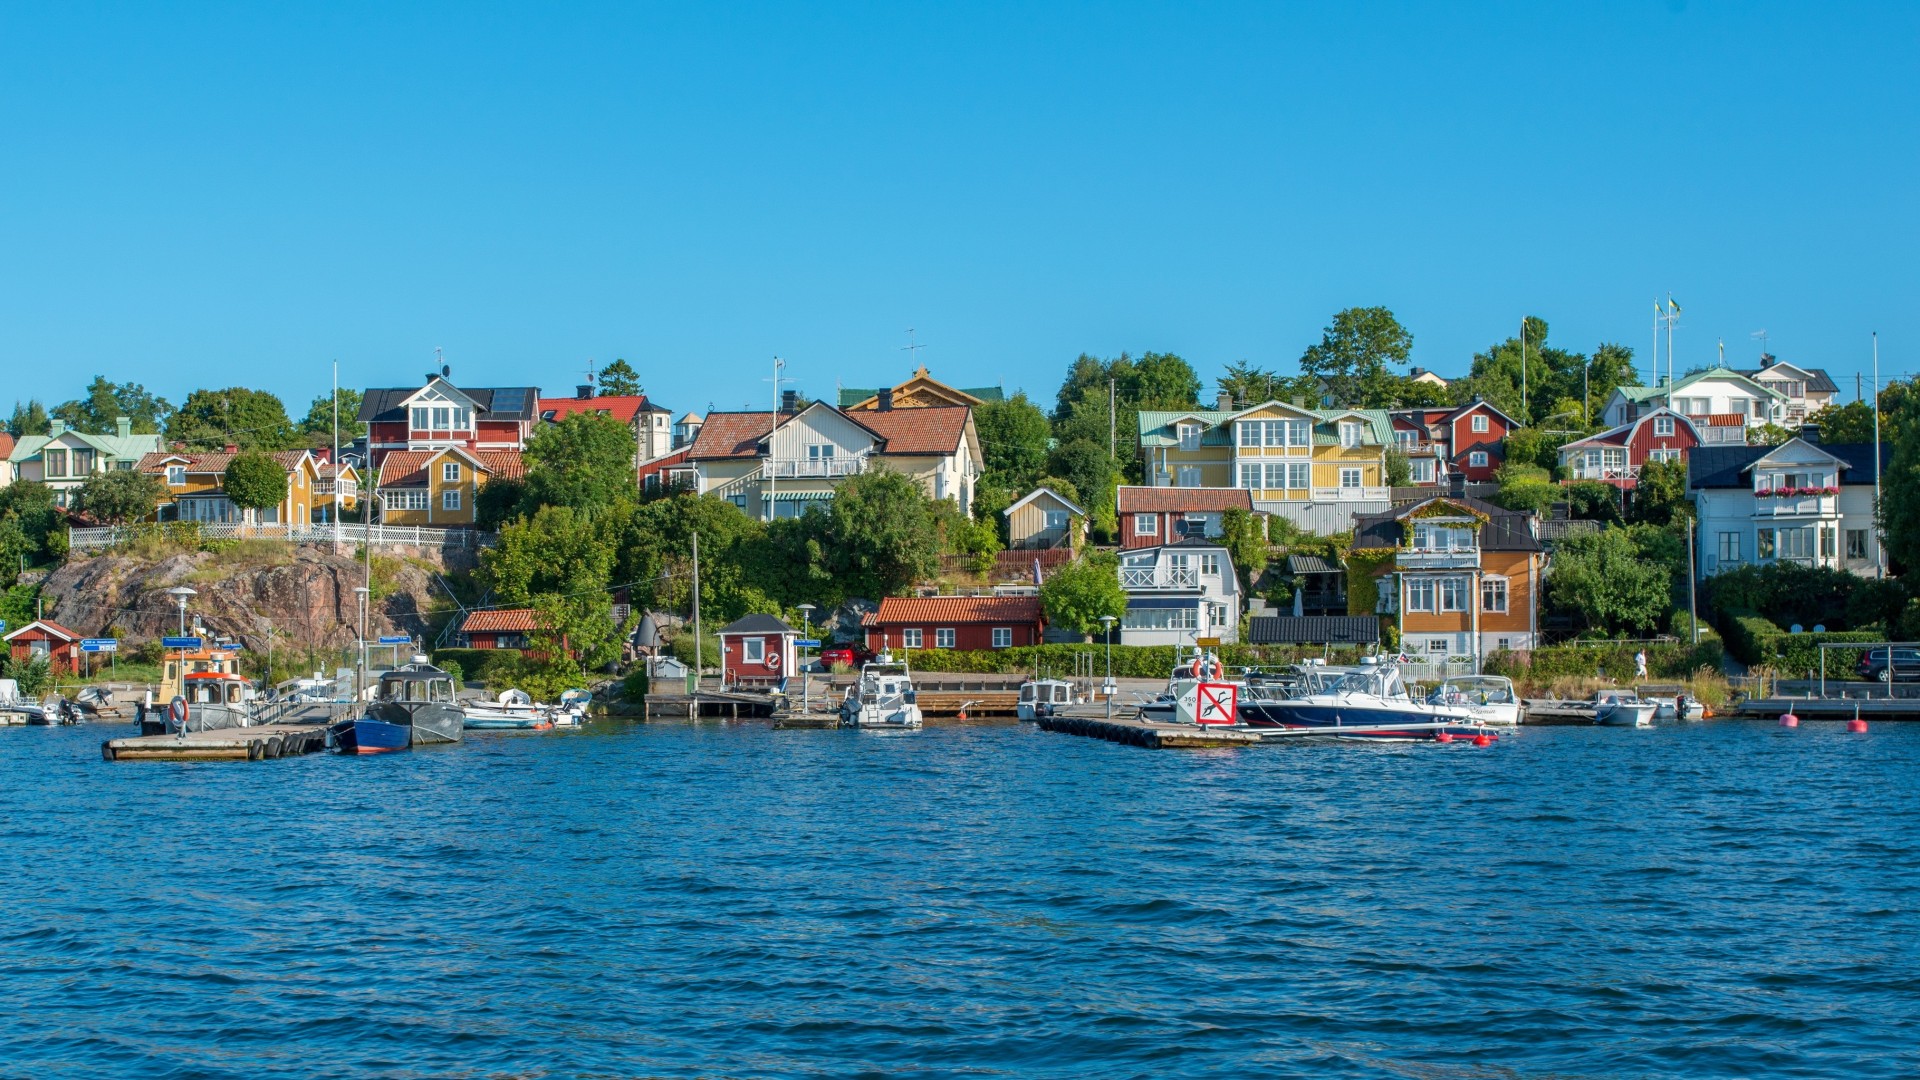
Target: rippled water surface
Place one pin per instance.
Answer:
(728, 900)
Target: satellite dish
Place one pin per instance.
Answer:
(446, 370)
(1795, 629)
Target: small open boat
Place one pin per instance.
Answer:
(512, 711)
(1622, 708)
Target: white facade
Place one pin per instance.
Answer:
(1178, 593)
(1827, 520)
(1714, 393)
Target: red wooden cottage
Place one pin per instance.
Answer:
(1469, 440)
(504, 629)
(757, 650)
(1616, 455)
(48, 640)
(955, 622)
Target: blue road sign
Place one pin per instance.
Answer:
(100, 644)
(232, 646)
(179, 642)
(808, 643)
(395, 639)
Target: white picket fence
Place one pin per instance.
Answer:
(91, 539)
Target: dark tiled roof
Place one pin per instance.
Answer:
(1505, 530)
(383, 404)
(756, 624)
(1722, 466)
(1313, 630)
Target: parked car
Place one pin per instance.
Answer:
(1904, 668)
(850, 655)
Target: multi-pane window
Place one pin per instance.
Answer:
(1729, 547)
(1189, 436)
(1420, 594)
(1829, 541)
(1796, 543)
(1453, 594)
(1493, 594)
(176, 475)
(1856, 543)
(910, 639)
(462, 417)
(1763, 543)
(1663, 425)
(1157, 618)
(82, 462)
(1437, 647)
(1187, 476)
(442, 417)
(1349, 478)
(1003, 637)
(406, 499)
(1420, 470)
(1349, 433)
(1146, 525)
(943, 637)
(1479, 423)
(450, 472)
(55, 463)
(1210, 565)
(1442, 538)
(1275, 433)
(450, 500)
(1477, 458)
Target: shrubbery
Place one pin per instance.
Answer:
(1129, 661)
(475, 664)
(1614, 659)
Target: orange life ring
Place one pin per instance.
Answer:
(177, 710)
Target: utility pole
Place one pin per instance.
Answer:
(773, 446)
(1880, 540)
(335, 463)
(1112, 426)
(699, 661)
(1524, 411)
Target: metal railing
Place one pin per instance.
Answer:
(1438, 558)
(111, 535)
(1799, 504)
(1351, 494)
(801, 468)
(1154, 578)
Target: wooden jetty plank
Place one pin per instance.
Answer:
(1832, 708)
(224, 744)
(1135, 731)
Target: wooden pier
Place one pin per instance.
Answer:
(708, 703)
(1831, 708)
(1135, 731)
(223, 744)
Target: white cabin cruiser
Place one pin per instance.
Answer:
(1488, 698)
(1365, 702)
(1043, 697)
(883, 698)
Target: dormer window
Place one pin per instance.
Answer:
(1663, 425)
(176, 476)
(1189, 436)
(1349, 433)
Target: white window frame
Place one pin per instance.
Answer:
(1350, 478)
(753, 650)
(1209, 564)
(176, 476)
(1350, 433)
(443, 418)
(450, 499)
(1663, 425)
(1189, 435)
(1477, 459)
(1420, 470)
(1861, 535)
(450, 472)
(943, 637)
(1439, 647)
(1422, 594)
(1480, 424)
(422, 418)
(1493, 587)
(1186, 476)
(910, 638)
(1146, 524)
(1452, 595)
(1003, 637)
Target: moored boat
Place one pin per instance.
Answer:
(882, 698)
(415, 707)
(1622, 708)
(1365, 702)
(1488, 698)
(571, 712)
(1043, 697)
(512, 711)
(200, 690)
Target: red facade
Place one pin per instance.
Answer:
(1460, 433)
(955, 622)
(777, 657)
(58, 644)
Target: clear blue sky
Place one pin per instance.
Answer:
(201, 195)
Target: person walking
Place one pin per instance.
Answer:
(1640, 664)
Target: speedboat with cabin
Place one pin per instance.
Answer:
(415, 707)
(512, 711)
(200, 690)
(1365, 702)
(1622, 708)
(1488, 698)
(1203, 667)
(882, 698)
(1043, 697)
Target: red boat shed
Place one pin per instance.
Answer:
(955, 622)
(506, 628)
(757, 650)
(43, 638)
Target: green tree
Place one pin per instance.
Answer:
(1534, 446)
(249, 419)
(1089, 472)
(560, 562)
(1849, 423)
(29, 505)
(317, 427)
(1602, 579)
(1353, 353)
(1770, 435)
(1899, 510)
(1563, 390)
(28, 419)
(618, 379)
(1083, 412)
(1593, 500)
(98, 412)
(1013, 439)
(1660, 494)
(498, 501)
(584, 460)
(1074, 596)
(1244, 535)
(656, 555)
(1399, 469)
(118, 496)
(879, 535)
(254, 482)
(1248, 385)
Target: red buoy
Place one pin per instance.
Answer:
(1483, 740)
(1857, 726)
(1789, 720)
(1443, 737)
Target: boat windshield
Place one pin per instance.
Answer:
(1378, 681)
(1477, 690)
(1026, 692)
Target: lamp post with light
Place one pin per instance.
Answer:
(806, 673)
(1106, 627)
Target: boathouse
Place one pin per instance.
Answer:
(48, 640)
(757, 651)
(504, 629)
(955, 622)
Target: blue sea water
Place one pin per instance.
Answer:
(1711, 900)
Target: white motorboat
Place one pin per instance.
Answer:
(1488, 698)
(1368, 701)
(512, 710)
(572, 710)
(1622, 708)
(1043, 697)
(883, 698)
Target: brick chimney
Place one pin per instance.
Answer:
(790, 400)
(233, 448)
(886, 399)
(1223, 403)
(1810, 433)
(584, 390)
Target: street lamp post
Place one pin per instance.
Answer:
(806, 674)
(1106, 627)
(362, 592)
(181, 594)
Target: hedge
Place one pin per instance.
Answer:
(475, 664)
(1755, 640)
(1675, 660)
(1129, 661)
(1748, 633)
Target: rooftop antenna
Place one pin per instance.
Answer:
(440, 357)
(912, 349)
(590, 375)
(1762, 335)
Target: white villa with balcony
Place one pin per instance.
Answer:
(1804, 501)
(775, 465)
(1178, 593)
(1723, 404)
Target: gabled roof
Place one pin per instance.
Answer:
(505, 620)
(408, 468)
(622, 407)
(28, 447)
(1817, 379)
(1714, 466)
(1156, 426)
(1647, 393)
(1134, 499)
(214, 461)
(1505, 530)
(956, 610)
(936, 429)
(1622, 434)
(733, 435)
(388, 404)
(857, 397)
(6, 444)
(49, 626)
(1039, 491)
(757, 624)
(1481, 404)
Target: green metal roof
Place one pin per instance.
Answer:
(111, 446)
(851, 396)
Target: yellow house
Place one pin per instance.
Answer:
(439, 487)
(342, 478)
(195, 487)
(1277, 451)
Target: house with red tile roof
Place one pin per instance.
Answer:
(439, 487)
(651, 425)
(1152, 516)
(6, 451)
(955, 622)
(776, 464)
(506, 628)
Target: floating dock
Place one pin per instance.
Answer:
(1831, 708)
(1135, 731)
(224, 744)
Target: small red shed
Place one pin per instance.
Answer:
(45, 638)
(504, 629)
(955, 622)
(757, 650)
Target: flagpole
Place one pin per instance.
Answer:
(1655, 362)
(1670, 314)
(1880, 541)
(1523, 370)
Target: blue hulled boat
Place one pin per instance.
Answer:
(1365, 702)
(415, 707)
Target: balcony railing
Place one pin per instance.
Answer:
(804, 468)
(1606, 472)
(1351, 494)
(1438, 558)
(1149, 577)
(1796, 506)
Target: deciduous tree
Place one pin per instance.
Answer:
(880, 536)
(254, 482)
(99, 409)
(1602, 578)
(119, 496)
(249, 419)
(584, 460)
(317, 427)
(1076, 595)
(1013, 439)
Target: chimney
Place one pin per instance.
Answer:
(56, 427)
(1224, 402)
(583, 390)
(123, 425)
(1414, 373)
(886, 399)
(1810, 433)
(790, 400)
(1767, 360)
(233, 448)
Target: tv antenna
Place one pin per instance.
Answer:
(912, 348)
(1762, 335)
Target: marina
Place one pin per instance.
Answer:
(263, 743)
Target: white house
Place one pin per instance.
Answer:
(777, 464)
(63, 459)
(1806, 390)
(1179, 592)
(1721, 402)
(1803, 501)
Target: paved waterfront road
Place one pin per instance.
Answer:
(1707, 901)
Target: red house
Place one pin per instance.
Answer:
(757, 650)
(1468, 440)
(45, 639)
(955, 622)
(1616, 455)
(504, 629)
(1152, 516)
(441, 414)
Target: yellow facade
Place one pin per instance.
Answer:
(449, 472)
(199, 479)
(1218, 466)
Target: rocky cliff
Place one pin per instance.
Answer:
(303, 592)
